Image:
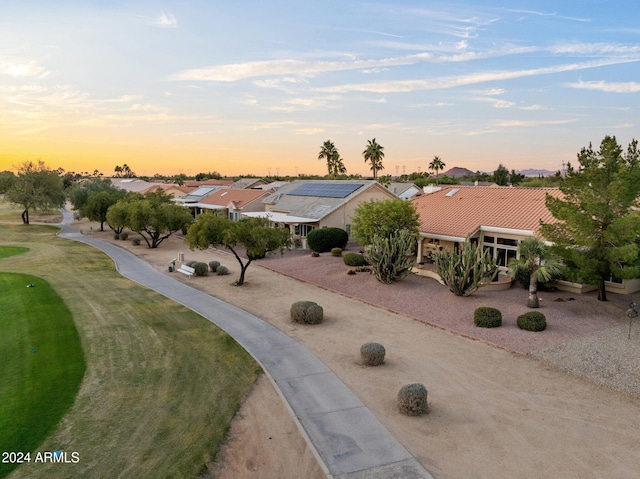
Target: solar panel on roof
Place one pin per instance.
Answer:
(203, 190)
(330, 190)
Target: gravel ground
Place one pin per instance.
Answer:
(584, 336)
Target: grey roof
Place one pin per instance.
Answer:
(404, 190)
(313, 206)
(198, 194)
(245, 183)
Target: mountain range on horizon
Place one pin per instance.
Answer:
(457, 172)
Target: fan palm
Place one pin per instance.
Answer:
(436, 165)
(536, 261)
(374, 154)
(329, 152)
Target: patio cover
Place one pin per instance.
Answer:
(280, 217)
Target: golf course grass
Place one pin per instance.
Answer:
(42, 364)
(161, 383)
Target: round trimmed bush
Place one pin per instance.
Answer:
(214, 265)
(336, 252)
(190, 263)
(202, 269)
(306, 312)
(323, 240)
(222, 270)
(532, 321)
(354, 259)
(124, 236)
(412, 399)
(116, 236)
(486, 317)
(372, 354)
(135, 241)
(351, 271)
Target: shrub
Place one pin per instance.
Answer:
(336, 252)
(306, 312)
(135, 241)
(116, 236)
(222, 270)
(412, 399)
(372, 354)
(190, 263)
(315, 254)
(323, 240)
(351, 271)
(486, 317)
(124, 236)
(354, 259)
(363, 269)
(214, 265)
(532, 321)
(201, 268)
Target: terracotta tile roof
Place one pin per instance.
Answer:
(461, 213)
(238, 197)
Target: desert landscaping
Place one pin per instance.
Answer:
(501, 401)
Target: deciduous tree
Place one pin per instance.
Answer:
(36, 187)
(383, 217)
(254, 235)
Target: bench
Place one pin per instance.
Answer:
(188, 270)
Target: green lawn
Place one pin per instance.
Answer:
(6, 251)
(161, 383)
(42, 364)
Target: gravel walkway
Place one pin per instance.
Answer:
(583, 336)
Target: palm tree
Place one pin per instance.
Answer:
(536, 261)
(436, 165)
(329, 152)
(337, 166)
(374, 154)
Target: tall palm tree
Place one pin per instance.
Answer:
(337, 166)
(329, 152)
(436, 165)
(374, 154)
(536, 261)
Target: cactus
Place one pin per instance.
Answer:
(463, 270)
(392, 257)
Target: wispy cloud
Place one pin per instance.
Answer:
(165, 20)
(241, 71)
(404, 86)
(532, 123)
(612, 87)
(23, 69)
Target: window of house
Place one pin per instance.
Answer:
(503, 250)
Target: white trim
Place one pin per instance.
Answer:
(280, 217)
(205, 206)
(507, 231)
(455, 239)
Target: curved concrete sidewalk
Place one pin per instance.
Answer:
(346, 437)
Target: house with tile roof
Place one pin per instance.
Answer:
(495, 217)
(304, 205)
(231, 202)
(171, 189)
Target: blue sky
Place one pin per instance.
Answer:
(257, 87)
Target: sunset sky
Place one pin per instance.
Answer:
(257, 86)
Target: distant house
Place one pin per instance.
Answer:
(304, 205)
(134, 185)
(231, 202)
(197, 195)
(209, 182)
(404, 191)
(248, 183)
(170, 189)
(497, 218)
